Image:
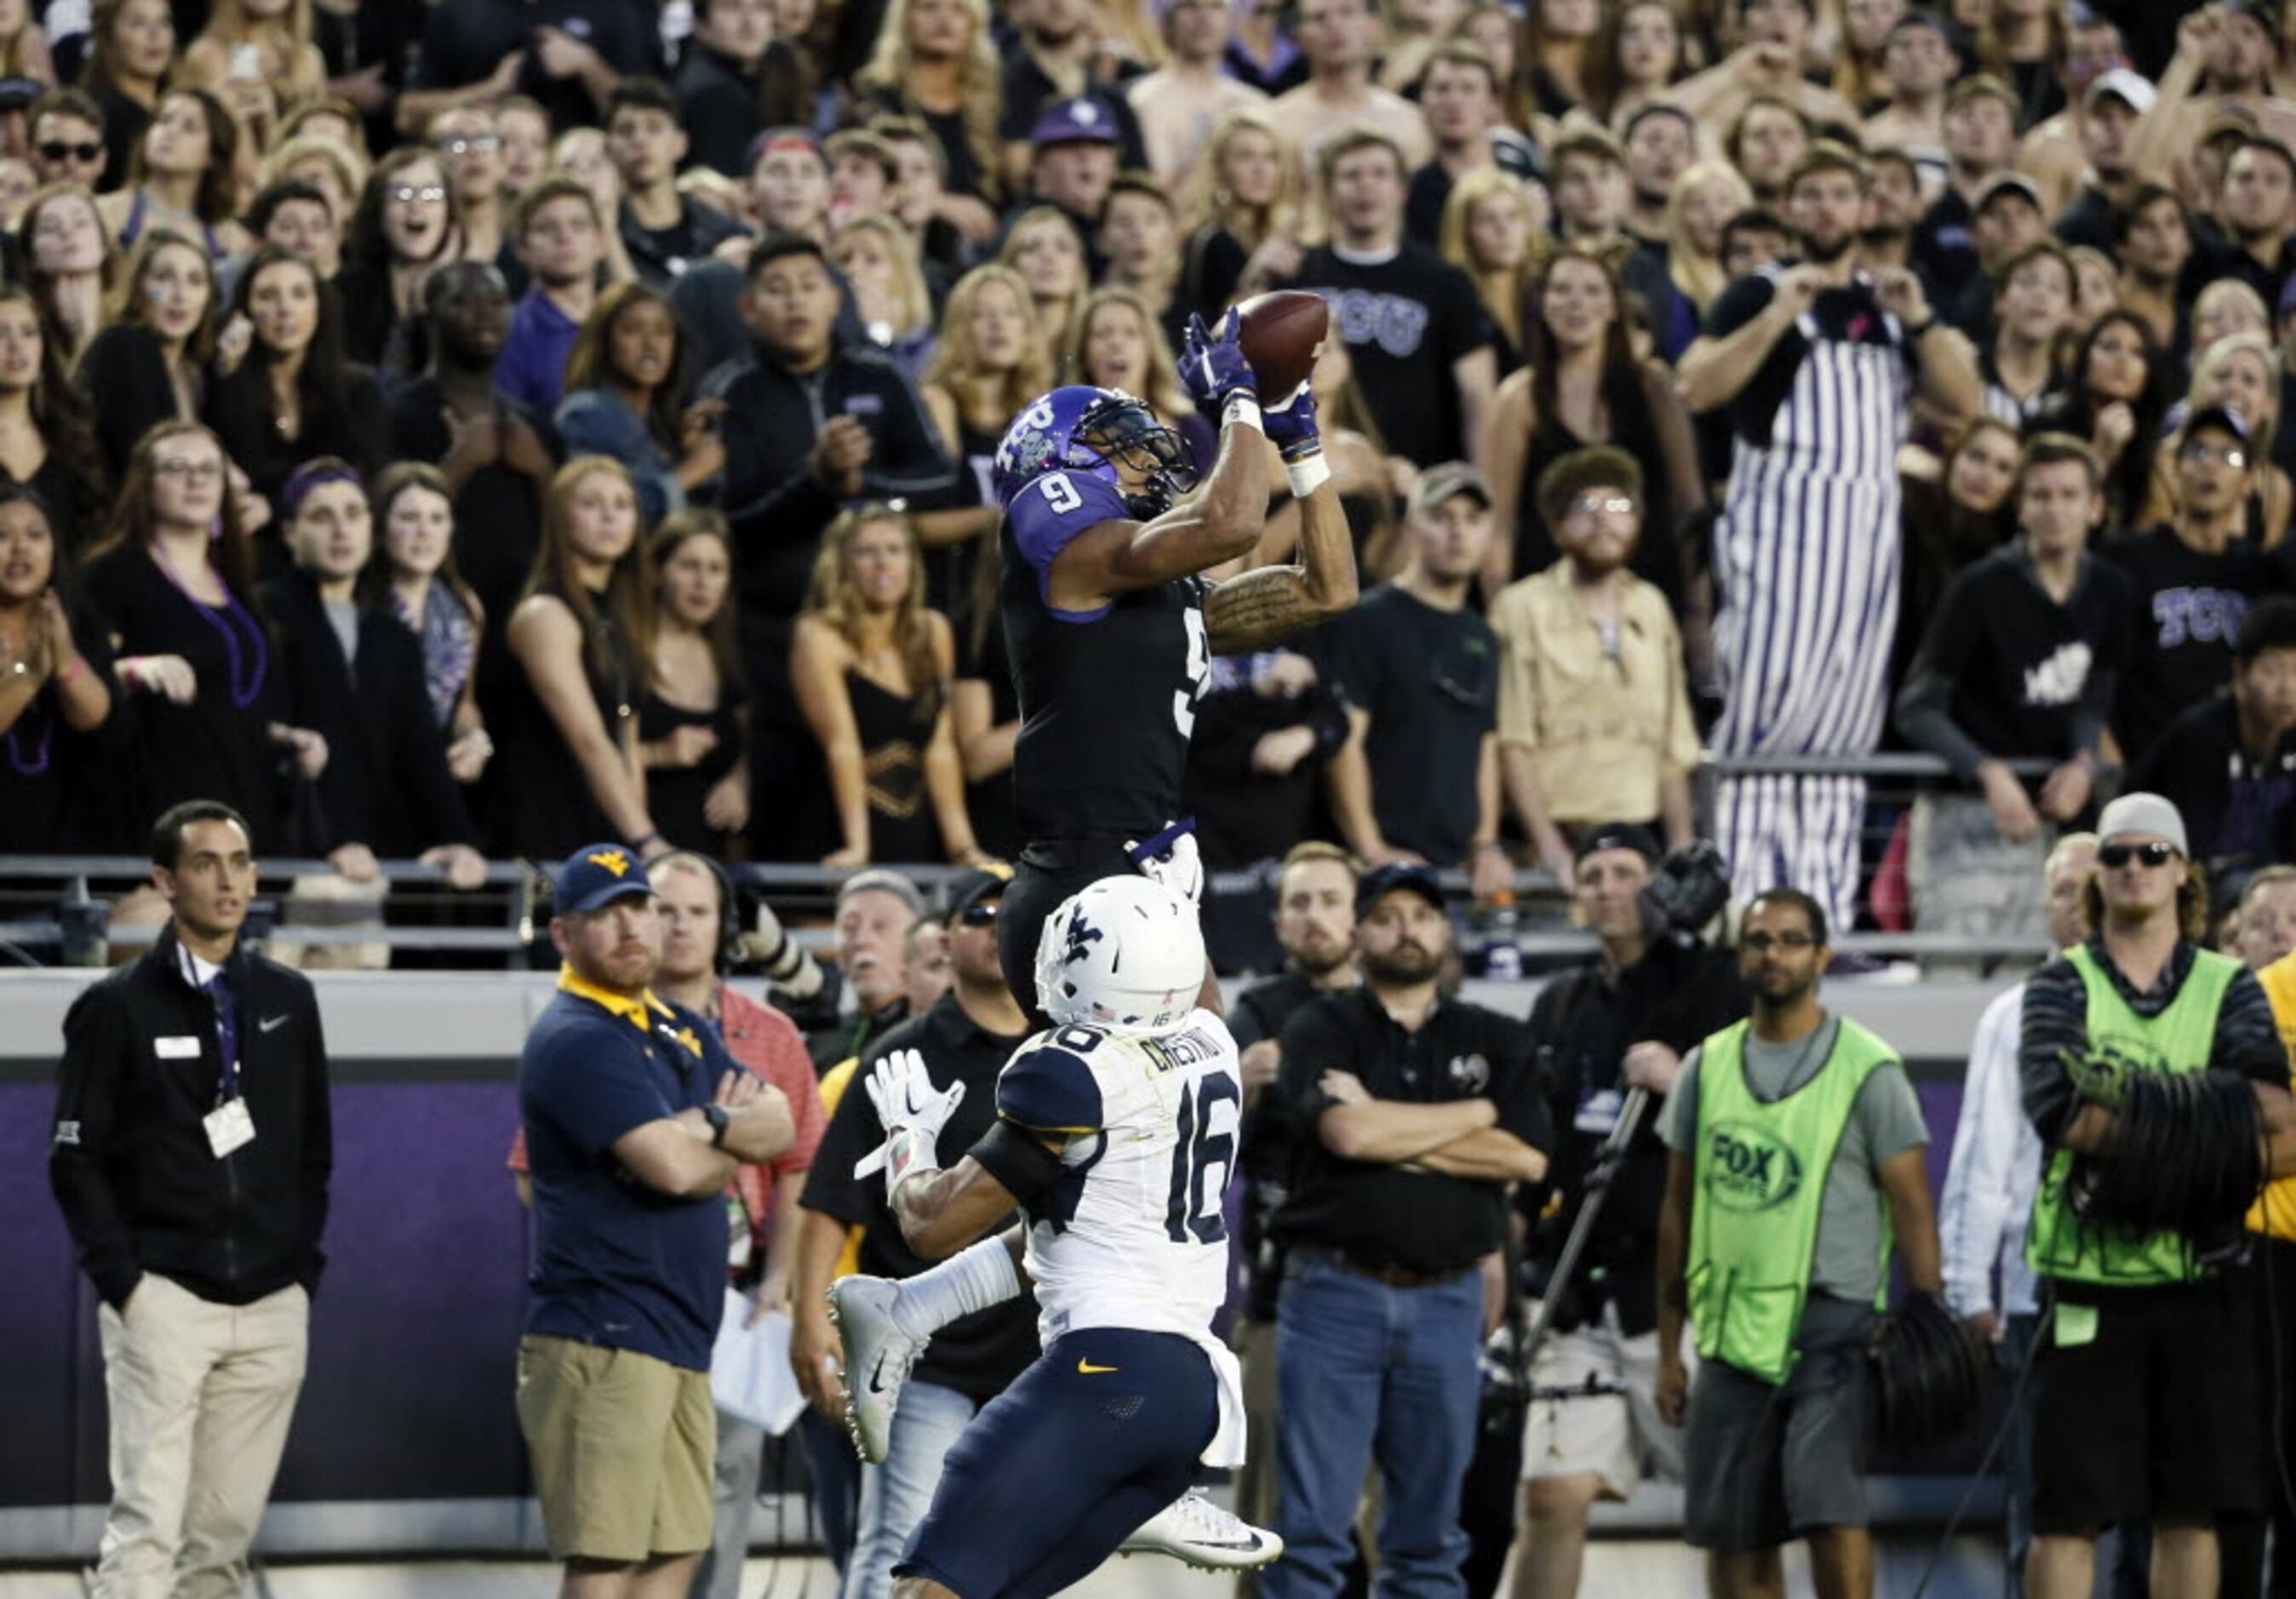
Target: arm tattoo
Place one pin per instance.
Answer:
(1258, 608)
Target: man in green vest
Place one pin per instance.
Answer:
(1796, 1158)
(2146, 1399)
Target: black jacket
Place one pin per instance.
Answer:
(386, 785)
(129, 1157)
(777, 508)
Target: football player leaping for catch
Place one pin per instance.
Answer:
(1112, 626)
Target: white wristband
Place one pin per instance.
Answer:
(1242, 410)
(1309, 475)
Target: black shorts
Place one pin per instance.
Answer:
(2154, 1417)
(1044, 876)
(1764, 1462)
(1100, 1434)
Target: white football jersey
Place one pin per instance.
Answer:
(1131, 1235)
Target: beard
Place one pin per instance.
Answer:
(1316, 960)
(1407, 963)
(1825, 251)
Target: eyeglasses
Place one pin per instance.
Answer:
(191, 471)
(407, 194)
(2229, 454)
(2155, 854)
(467, 143)
(977, 916)
(57, 150)
(1602, 505)
(1762, 943)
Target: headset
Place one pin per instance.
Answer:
(729, 909)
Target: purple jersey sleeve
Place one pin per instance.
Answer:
(1054, 508)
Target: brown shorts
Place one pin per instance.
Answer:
(621, 1445)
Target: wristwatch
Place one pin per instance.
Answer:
(715, 1115)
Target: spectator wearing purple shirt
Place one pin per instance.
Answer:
(562, 239)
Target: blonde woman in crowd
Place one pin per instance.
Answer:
(1045, 248)
(879, 258)
(1242, 195)
(871, 665)
(935, 61)
(990, 363)
(1494, 230)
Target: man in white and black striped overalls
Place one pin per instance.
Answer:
(1817, 363)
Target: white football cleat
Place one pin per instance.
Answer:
(1195, 1530)
(878, 1358)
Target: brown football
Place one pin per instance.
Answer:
(1281, 333)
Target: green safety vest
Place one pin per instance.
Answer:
(1759, 1171)
(2059, 1245)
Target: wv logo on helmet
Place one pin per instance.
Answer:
(1747, 1169)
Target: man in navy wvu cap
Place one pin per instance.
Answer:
(635, 1118)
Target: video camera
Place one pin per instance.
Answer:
(1687, 890)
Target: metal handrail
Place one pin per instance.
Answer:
(1883, 764)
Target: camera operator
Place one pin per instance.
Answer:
(1621, 1023)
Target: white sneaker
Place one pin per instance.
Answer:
(878, 1356)
(1196, 1531)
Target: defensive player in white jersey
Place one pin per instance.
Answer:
(1116, 1135)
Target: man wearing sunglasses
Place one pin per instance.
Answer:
(67, 138)
(2145, 1398)
(1796, 1167)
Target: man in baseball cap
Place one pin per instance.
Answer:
(1072, 152)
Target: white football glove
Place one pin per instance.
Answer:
(1172, 858)
(913, 1111)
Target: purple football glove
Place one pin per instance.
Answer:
(1212, 365)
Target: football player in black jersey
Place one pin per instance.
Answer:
(1112, 626)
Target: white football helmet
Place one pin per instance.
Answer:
(1124, 953)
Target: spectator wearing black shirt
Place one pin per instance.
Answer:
(468, 143)
(1266, 723)
(567, 54)
(734, 81)
(1412, 323)
(130, 52)
(1592, 198)
(807, 425)
(294, 396)
(53, 446)
(2228, 764)
(197, 657)
(965, 1038)
(496, 455)
(936, 60)
(2114, 101)
(56, 691)
(2251, 241)
(1418, 778)
(150, 365)
(2006, 217)
(2116, 393)
(1414, 1112)
(1465, 106)
(69, 263)
(2194, 576)
(1247, 176)
(1058, 62)
(1981, 139)
(1620, 1024)
(662, 230)
(354, 675)
(2021, 663)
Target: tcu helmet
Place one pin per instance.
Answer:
(1080, 428)
(1124, 953)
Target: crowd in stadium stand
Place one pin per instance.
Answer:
(465, 433)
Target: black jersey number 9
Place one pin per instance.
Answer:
(1195, 1206)
(1200, 671)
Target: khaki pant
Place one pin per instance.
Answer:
(201, 1397)
(622, 1446)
